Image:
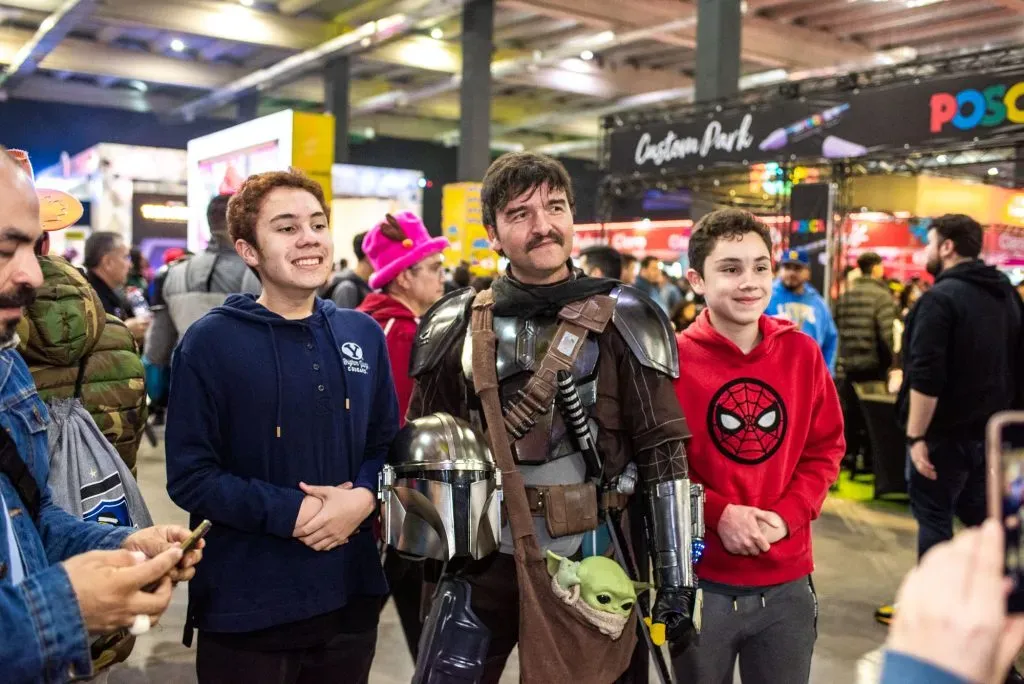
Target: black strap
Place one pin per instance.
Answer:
(16, 470)
(80, 379)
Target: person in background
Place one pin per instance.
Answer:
(767, 443)
(107, 263)
(601, 261)
(649, 280)
(912, 292)
(794, 299)
(629, 266)
(672, 293)
(461, 278)
(481, 283)
(975, 643)
(63, 578)
(138, 276)
(686, 312)
(194, 286)
(349, 288)
(408, 269)
(867, 345)
(281, 413)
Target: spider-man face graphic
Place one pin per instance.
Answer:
(747, 421)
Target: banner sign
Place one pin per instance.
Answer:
(810, 208)
(841, 126)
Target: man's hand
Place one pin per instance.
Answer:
(772, 526)
(740, 532)
(137, 327)
(152, 541)
(108, 586)
(674, 608)
(968, 632)
(344, 509)
(922, 463)
(307, 511)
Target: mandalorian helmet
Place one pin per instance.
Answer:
(440, 491)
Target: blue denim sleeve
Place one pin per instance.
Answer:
(900, 668)
(65, 536)
(44, 637)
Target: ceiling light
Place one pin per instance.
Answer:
(178, 45)
(587, 55)
(246, 3)
(993, 171)
(941, 159)
(365, 42)
(369, 133)
(436, 33)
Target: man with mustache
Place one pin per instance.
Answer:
(621, 371)
(61, 579)
(281, 412)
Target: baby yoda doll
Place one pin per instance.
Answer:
(607, 593)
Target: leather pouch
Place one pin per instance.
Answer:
(570, 509)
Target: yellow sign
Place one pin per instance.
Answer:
(462, 225)
(313, 147)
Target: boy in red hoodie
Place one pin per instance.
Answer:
(767, 443)
(408, 278)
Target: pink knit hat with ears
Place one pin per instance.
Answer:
(397, 243)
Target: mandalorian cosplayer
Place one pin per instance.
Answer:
(614, 415)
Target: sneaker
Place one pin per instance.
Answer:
(884, 615)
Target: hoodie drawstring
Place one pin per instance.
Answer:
(280, 381)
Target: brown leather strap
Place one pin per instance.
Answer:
(577, 319)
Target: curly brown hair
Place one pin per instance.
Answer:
(244, 207)
(723, 224)
(514, 173)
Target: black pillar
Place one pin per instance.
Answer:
(475, 92)
(249, 105)
(719, 23)
(336, 82)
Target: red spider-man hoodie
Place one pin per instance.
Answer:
(767, 432)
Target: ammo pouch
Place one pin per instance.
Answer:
(566, 509)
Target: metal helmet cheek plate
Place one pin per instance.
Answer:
(440, 491)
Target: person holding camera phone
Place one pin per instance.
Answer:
(61, 579)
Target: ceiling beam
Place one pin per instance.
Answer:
(933, 30)
(901, 21)
(1015, 5)
(49, 34)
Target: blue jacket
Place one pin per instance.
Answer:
(257, 405)
(810, 313)
(899, 668)
(42, 636)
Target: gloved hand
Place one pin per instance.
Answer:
(672, 617)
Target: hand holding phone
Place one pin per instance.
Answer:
(1004, 444)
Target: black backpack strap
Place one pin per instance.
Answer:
(16, 470)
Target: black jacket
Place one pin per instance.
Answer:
(864, 319)
(963, 344)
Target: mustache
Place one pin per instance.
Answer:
(535, 242)
(22, 297)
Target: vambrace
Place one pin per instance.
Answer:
(676, 510)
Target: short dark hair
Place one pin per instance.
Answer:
(357, 246)
(867, 261)
(513, 174)
(99, 245)
(646, 262)
(726, 224)
(964, 231)
(605, 258)
(217, 215)
(628, 259)
(462, 276)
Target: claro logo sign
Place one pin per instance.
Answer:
(971, 108)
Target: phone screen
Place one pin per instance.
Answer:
(1011, 447)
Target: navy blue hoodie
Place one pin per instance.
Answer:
(258, 404)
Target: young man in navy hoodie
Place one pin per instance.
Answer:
(767, 443)
(270, 436)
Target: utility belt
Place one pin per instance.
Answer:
(573, 508)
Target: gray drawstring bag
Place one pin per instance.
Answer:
(88, 479)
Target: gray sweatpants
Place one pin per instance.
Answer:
(772, 634)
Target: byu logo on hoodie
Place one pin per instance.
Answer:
(353, 360)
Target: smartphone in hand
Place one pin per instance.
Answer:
(1004, 445)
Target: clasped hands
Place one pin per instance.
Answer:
(750, 531)
(328, 516)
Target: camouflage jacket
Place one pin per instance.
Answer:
(65, 333)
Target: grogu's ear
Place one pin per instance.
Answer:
(554, 562)
(642, 586)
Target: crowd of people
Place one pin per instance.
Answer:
(288, 380)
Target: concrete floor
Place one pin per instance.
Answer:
(861, 554)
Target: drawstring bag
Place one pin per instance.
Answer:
(556, 643)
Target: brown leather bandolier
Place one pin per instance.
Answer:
(556, 644)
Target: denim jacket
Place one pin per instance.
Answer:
(42, 634)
